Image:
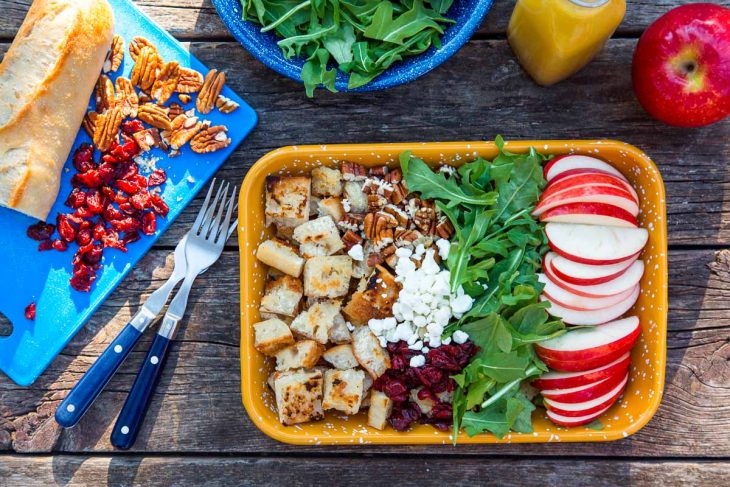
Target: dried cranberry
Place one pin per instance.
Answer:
(128, 224)
(141, 181)
(93, 256)
(30, 312)
(82, 214)
(107, 172)
(440, 358)
(111, 213)
(128, 170)
(45, 245)
(149, 223)
(158, 205)
(76, 199)
(130, 237)
(83, 276)
(60, 245)
(99, 230)
(128, 187)
(403, 419)
(131, 127)
(40, 231)
(65, 229)
(157, 177)
(83, 158)
(141, 200)
(84, 237)
(90, 179)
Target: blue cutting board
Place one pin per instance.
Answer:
(27, 275)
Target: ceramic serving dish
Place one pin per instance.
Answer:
(467, 15)
(644, 391)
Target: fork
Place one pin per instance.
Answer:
(203, 248)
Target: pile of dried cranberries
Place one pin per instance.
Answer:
(111, 202)
(423, 394)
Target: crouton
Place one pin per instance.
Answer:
(282, 296)
(338, 332)
(380, 408)
(327, 277)
(270, 336)
(299, 396)
(281, 256)
(341, 357)
(326, 181)
(343, 390)
(368, 352)
(315, 322)
(376, 300)
(301, 355)
(287, 200)
(355, 196)
(331, 207)
(273, 316)
(318, 237)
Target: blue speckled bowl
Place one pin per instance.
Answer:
(468, 15)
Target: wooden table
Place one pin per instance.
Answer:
(197, 430)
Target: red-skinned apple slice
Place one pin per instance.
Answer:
(588, 343)
(584, 274)
(569, 300)
(565, 163)
(595, 316)
(570, 421)
(627, 280)
(564, 380)
(599, 214)
(586, 177)
(585, 392)
(609, 195)
(593, 244)
(578, 409)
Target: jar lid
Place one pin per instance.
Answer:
(590, 3)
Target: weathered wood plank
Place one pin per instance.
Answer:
(198, 406)
(197, 19)
(104, 471)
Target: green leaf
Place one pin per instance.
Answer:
(477, 390)
(520, 409)
(385, 28)
(339, 44)
(596, 425)
(489, 334)
(315, 72)
(503, 367)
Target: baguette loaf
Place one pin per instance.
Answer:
(46, 79)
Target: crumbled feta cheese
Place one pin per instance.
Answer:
(350, 326)
(418, 361)
(346, 205)
(444, 246)
(356, 252)
(460, 337)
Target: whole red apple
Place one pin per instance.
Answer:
(681, 67)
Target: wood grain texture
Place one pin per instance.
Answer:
(103, 471)
(198, 408)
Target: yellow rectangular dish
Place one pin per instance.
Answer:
(646, 383)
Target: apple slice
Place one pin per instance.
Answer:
(610, 195)
(564, 380)
(573, 161)
(590, 214)
(578, 409)
(586, 177)
(570, 421)
(583, 274)
(595, 316)
(627, 280)
(585, 392)
(596, 245)
(569, 300)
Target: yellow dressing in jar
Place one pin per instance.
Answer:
(553, 39)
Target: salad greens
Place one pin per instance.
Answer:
(363, 37)
(495, 256)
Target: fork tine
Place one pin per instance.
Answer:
(210, 214)
(203, 210)
(215, 224)
(232, 228)
(226, 228)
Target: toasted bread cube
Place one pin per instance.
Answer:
(273, 316)
(299, 396)
(343, 390)
(287, 200)
(355, 196)
(341, 357)
(331, 207)
(301, 355)
(318, 237)
(339, 333)
(282, 296)
(376, 300)
(270, 336)
(281, 256)
(315, 322)
(368, 352)
(327, 277)
(326, 181)
(380, 408)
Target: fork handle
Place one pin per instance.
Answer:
(135, 408)
(86, 390)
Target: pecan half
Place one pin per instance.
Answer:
(378, 171)
(190, 81)
(144, 98)
(225, 104)
(374, 259)
(147, 139)
(353, 172)
(399, 194)
(115, 55)
(400, 215)
(127, 97)
(376, 202)
(166, 82)
(388, 254)
(379, 228)
(444, 228)
(184, 98)
(212, 86)
(106, 128)
(154, 115)
(182, 129)
(145, 69)
(136, 46)
(350, 239)
(394, 176)
(210, 139)
(351, 221)
(175, 110)
(105, 98)
(404, 237)
(89, 123)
